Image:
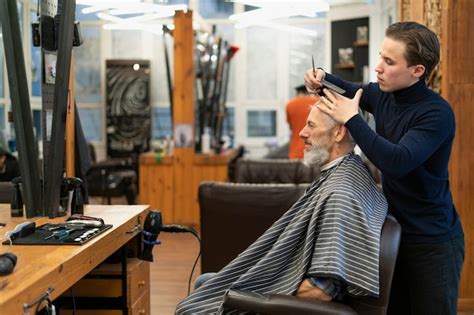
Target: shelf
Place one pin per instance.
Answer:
(344, 66)
(360, 43)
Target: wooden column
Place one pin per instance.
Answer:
(70, 124)
(457, 86)
(171, 183)
(183, 115)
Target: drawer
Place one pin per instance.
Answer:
(142, 305)
(139, 282)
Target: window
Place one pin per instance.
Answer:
(127, 44)
(2, 63)
(168, 2)
(301, 48)
(161, 122)
(261, 123)
(2, 118)
(84, 17)
(229, 122)
(215, 8)
(262, 63)
(87, 66)
(37, 124)
(35, 63)
(91, 121)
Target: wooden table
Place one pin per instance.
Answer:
(58, 267)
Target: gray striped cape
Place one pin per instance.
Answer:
(333, 230)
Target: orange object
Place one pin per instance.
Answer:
(297, 110)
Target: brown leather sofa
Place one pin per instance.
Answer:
(274, 171)
(234, 215)
(278, 304)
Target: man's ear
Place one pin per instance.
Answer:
(339, 133)
(418, 71)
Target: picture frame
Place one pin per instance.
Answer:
(50, 59)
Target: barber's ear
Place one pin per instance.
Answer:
(418, 71)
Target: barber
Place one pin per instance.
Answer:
(411, 146)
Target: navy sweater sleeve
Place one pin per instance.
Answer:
(427, 131)
(414, 148)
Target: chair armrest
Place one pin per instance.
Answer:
(278, 304)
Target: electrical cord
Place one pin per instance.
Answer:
(73, 302)
(177, 228)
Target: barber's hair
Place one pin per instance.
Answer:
(422, 44)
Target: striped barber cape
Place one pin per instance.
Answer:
(333, 230)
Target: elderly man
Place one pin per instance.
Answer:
(325, 245)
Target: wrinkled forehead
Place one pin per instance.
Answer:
(318, 117)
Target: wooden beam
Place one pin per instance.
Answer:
(183, 117)
(70, 125)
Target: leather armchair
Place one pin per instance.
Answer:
(234, 215)
(274, 171)
(277, 304)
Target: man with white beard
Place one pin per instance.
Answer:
(325, 246)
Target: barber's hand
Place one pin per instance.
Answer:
(312, 80)
(339, 107)
(306, 289)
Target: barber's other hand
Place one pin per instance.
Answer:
(312, 80)
(306, 289)
(339, 107)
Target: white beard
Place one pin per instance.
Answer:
(316, 156)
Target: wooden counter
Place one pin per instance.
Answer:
(40, 267)
(170, 184)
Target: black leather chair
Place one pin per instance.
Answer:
(234, 215)
(277, 304)
(274, 171)
(112, 178)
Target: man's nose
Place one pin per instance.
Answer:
(303, 134)
(379, 68)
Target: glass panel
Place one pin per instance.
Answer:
(261, 63)
(127, 44)
(215, 8)
(261, 123)
(2, 63)
(91, 120)
(37, 123)
(87, 66)
(35, 64)
(19, 6)
(301, 48)
(161, 122)
(228, 127)
(159, 81)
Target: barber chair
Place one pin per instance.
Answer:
(234, 215)
(112, 178)
(6, 192)
(277, 304)
(274, 171)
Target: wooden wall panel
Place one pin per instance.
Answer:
(458, 89)
(457, 86)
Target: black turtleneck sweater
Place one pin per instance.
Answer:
(412, 145)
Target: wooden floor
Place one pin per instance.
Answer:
(173, 261)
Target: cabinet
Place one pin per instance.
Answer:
(104, 283)
(344, 37)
